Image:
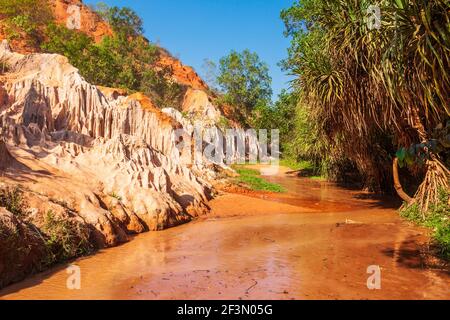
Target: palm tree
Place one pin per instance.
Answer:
(375, 89)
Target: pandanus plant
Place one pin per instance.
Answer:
(363, 83)
(417, 68)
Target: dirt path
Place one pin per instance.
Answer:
(315, 242)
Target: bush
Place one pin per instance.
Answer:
(25, 19)
(224, 124)
(12, 200)
(11, 246)
(125, 60)
(158, 85)
(21, 251)
(122, 20)
(437, 219)
(96, 63)
(65, 239)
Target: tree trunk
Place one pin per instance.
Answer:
(398, 186)
(437, 175)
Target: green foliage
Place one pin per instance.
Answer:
(159, 85)
(125, 60)
(297, 165)
(262, 117)
(245, 80)
(96, 63)
(369, 91)
(19, 244)
(12, 200)
(130, 60)
(57, 239)
(279, 115)
(436, 219)
(224, 124)
(116, 196)
(301, 140)
(11, 247)
(24, 23)
(25, 18)
(65, 239)
(252, 179)
(124, 21)
(416, 154)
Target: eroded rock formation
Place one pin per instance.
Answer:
(94, 156)
(112, 158)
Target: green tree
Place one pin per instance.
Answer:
(210, 74)
(123, 20)
(372, 91)
(245, 80)
(96, 63)
(279, 115)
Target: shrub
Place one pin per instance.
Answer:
(10, 245)
(119, 61)
(25, 19)
(21, 251)
(65, 239)
(160, 86)
(95, 63)
(115, 196)
(123, 20)
(437, 219)
(12, 200)
(124, 60)
(224, 124)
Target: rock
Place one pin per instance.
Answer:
(182, 74)
(21, 249)
(81, 146)
(4, 46)
(198, 103)
(5, 157)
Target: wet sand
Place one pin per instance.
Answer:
(314, 242)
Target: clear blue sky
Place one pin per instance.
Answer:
(193, 30)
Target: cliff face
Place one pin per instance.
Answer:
(91, 23)
(182, 74)
(101, 158)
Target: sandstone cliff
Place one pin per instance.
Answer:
(105, 159)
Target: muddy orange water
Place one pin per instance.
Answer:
(314, 242)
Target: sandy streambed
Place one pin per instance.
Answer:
(315, 242)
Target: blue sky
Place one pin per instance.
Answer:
(193, 30)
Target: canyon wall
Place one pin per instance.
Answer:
(92, 154)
